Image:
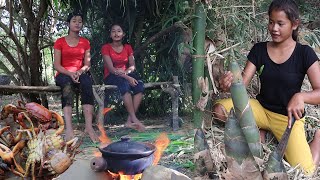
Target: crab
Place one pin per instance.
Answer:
(47, 144)
(35, 146)
(7, 138)
(42, 114)
(8, 157)
(54, 141)
(58, 160)
(34, 110)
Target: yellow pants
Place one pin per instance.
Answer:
(298, 150)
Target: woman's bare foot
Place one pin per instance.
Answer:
(131, 125)
(136, 123)
(141, 127)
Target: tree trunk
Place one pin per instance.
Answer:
(34, 61)
(198, 58)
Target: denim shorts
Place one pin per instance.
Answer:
(68, 88)
(123, 84)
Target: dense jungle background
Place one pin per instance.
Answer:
(160, 32)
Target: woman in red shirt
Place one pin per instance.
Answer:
(72, 62)
(119, 70)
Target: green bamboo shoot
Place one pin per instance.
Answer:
(241, 163)
(244, 112)
(202, 159)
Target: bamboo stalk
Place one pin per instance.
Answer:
(199, 26)
(244, 112)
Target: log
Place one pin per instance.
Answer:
(9, 89)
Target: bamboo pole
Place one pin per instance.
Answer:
(199, 25)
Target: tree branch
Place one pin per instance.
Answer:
(47, 45)
(14, 39)
(42, 9)
(158, 35)
(7, 71)
(28, 12)
(14, 63)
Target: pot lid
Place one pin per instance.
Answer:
(127, 148)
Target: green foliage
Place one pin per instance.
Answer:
(313, 38)
(177, 144)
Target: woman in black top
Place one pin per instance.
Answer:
(284, 63)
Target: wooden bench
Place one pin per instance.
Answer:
(171, 87)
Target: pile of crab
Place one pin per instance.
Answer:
(31, 144)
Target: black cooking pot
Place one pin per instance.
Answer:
(127, 156)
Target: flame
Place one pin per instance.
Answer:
(97, 154)
(104, 140)
(161, 144)
(106, 110)
(121, 176)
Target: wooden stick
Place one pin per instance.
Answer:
(9, 89)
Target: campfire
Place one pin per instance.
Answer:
(126, 159)
(121, 176)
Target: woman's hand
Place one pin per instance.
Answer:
(119, 72)
(80, 71)
(132, 81)
(74, 76)
(225, 81)
(295, 108)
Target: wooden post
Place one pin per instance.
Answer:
(175, 104)
(174, 91)
(100, 103)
